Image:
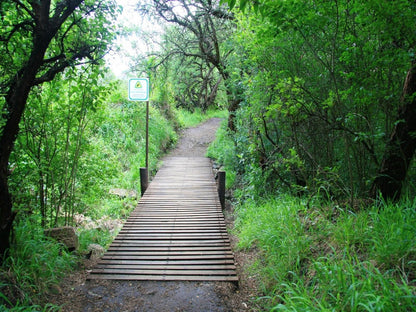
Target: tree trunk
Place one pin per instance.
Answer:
(16, 99)
(44, 22)
(6, 214)
(234, 104)
(401, 146)
(16, 102)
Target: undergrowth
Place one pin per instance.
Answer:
(35, 265)
(222, 149)
(328, 258)
(190, 119)
(315, 255)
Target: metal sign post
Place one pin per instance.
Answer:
(147, 134)
(139, 91)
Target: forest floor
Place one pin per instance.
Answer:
(76, 293)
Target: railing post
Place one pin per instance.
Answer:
(221, 187)
(144, 179)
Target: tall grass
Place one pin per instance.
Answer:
(34, 267)
(330, 259)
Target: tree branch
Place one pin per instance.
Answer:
(24, 7)
(222, 14)
(61, 63)
(63, 10)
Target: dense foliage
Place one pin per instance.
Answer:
(322, 86)
(312, 254)
(39, 40)
(190, 68)
(321, 91)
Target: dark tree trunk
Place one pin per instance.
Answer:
(6, 214)
(44, 29)
(234, 95)
(401, 146)
(16, 102)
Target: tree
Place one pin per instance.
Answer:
(54, 138)
(39, 40)
(195, 79)
(207, 25)
(323, 87)
(401, 147)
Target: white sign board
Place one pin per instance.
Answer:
(139, 89)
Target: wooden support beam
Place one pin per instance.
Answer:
(221, 187)
(144, 179)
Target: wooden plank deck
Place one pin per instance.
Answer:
(176, 232)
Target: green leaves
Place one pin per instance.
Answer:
(322, 78)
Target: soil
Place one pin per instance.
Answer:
(77, 294)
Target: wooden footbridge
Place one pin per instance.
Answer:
(176, 232)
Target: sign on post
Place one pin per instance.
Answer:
(139, 89)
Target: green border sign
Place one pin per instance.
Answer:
(139, 89)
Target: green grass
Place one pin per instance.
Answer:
(191, 119)
(274, 228)
(346, 284)
(35, 266)
(330, 259)
(222, 149)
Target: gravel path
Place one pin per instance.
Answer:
(77, 294)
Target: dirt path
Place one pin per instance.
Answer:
(78, 294)
(194, 141)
